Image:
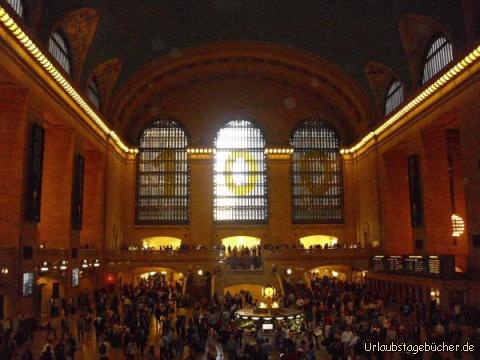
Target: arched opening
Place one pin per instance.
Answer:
(241, 241)
(161, 242)
(240, 176)
(316, 241)
(253, 289)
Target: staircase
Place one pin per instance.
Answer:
(198, 290)
(230, 277)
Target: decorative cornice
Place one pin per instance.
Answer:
(446, 77)
(24, 45)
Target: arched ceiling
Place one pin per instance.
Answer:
(316, 50)
(348, 33)
(204, 86)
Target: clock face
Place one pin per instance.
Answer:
(269, 291)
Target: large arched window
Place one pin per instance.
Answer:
(317, 182)
(394, 96)
(162, 175)
(58, 47)
(240, 183)
(439, 55)
(17, 5)
(93, 93)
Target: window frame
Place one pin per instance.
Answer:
(92, 88)
(295, 217)
(263, 173)
(64, 49)
(186, 208)
(389, 95)
(428, 58)
(18, 6)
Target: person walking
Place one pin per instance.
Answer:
(103, 349)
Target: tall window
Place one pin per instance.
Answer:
(162, 175)
(59, 49)
(240, 182)
(77, 193)
(415, 189)
(17, 5)
(317, 182)
(394, 96)
(93, 93)
(439, 55)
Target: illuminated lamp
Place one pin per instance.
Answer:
(84, 264)
(289, 271)
(44, 267)
(4, 271)
(334, 273)
(268, 292)
(96, 263)
(200, 272)
(63, 265)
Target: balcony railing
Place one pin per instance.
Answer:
(164, 255)
(331, 253)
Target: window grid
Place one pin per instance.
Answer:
(394, 97)
(163, 175)
(93, 93)
(317, 181)
(58, 48)
(16, 5)
(439, 55)
(240, 179)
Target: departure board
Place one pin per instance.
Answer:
(432, 265)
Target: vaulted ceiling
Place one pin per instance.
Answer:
(361, 43)
(349, 33)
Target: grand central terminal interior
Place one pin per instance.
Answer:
(242, 179)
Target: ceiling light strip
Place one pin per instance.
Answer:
(420, 98)
(43, 60)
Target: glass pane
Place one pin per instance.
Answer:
(240, 184)
(317, 181)
(162, 174)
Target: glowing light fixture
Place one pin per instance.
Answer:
(289, 271)
(44, 267)
(334, 273)
(201, 151)
(63, 265)
(279, 151)
(96, 263)
(200, 272)
(458, 225)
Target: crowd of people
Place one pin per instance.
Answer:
(154, 320)
(229, 250)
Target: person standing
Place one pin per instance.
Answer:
(71, 347)
(81, 327)
(103, 350)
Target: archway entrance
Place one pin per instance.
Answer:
(161, 242)
(241, 241)
(316, 241)
(255, 290)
